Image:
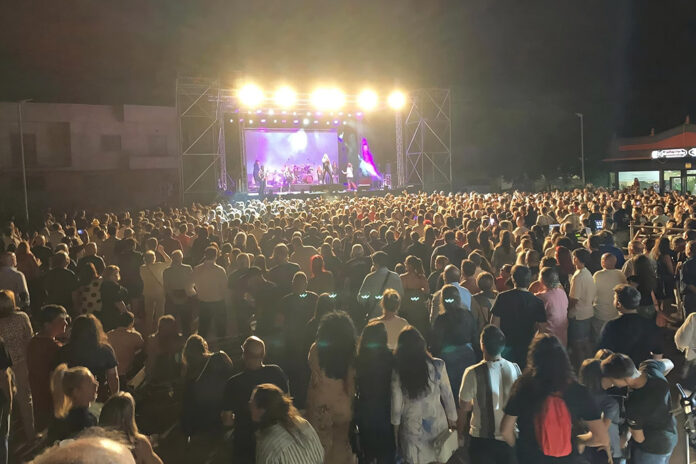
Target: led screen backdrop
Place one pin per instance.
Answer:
(276, 148)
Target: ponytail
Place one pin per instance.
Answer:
(64, 382)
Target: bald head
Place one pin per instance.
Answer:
(608, 261)
(90, 450)
(253, 352)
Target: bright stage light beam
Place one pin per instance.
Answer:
(250, 95)
(328, 99)
(367, 100)
(396, 100)
(285, 97)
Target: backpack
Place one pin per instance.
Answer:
(553, 427)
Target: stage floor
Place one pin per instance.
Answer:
(339, 191)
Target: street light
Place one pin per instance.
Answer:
(582, 147)
(21, 151)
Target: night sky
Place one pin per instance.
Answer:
(518, 70)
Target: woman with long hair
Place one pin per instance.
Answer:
(205, 376)
(89, 347)
(373, 373)
(663, 255)
(283, 435)
(645, 280)
(331, 385)
(414, 305)
(565, 266)
(590, 375)
(454, 336)
(42, 356)
(547, 380)
(74, 390)
(321, 281)
(420, 388)
(16, 331)
(88, 294)
(325, 305)
(118, 414)
(504, 253)
(555, 303)
(163, 352)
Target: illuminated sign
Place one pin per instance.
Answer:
(673, 153)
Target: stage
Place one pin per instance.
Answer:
(329, 191)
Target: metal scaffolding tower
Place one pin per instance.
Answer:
(203, 169)
(427, 131)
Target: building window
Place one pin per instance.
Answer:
(673, 181)
(647, 179)
(29, 150)
(157, 145)
(110, 142)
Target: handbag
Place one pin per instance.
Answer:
(445, 444)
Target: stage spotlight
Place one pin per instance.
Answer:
(296, 121)
(285, 97)
(367, 100)
(250, 95)
(271, 112)
(336, 121)
(251, 121)
(316, 122)
(396, 100)
(305, 121)
(275, 121)
(328, 98)
(263, 120)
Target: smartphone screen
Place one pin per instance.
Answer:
(599, 224)
(553, 226)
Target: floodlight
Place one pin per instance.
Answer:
(396, 100)
(367, 100)
(305, 121)
(285, 97)
(250, 95)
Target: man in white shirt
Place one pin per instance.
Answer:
(376, 283)
(605, 282)
(484, 391)
(210, 281)
(450, 276)
(12, 279)
(580, 310)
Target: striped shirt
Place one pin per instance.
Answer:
(277, 446)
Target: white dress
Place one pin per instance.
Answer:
(422, 419)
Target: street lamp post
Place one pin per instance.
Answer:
(21, 151)
(582, 147)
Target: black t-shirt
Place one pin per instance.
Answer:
(648, 408)
(236, 399)
(97, 360)
(622, 219)
(59, 284)
(524, 405)
(519, 312)
(282, 275)
(75, 422)
(633, 335)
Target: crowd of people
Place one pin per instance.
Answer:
(410, 328)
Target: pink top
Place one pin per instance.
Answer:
(556, 306)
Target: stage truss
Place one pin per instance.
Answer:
(423, 138)
(203, 166)
(427, 134)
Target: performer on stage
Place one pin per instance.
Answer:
(262, 181)
(326, 170)
(257, 167)
(349, 177)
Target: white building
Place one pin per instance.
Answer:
(90, 155)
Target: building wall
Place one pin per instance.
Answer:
(76, 165)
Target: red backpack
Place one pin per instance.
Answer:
(553, 426)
